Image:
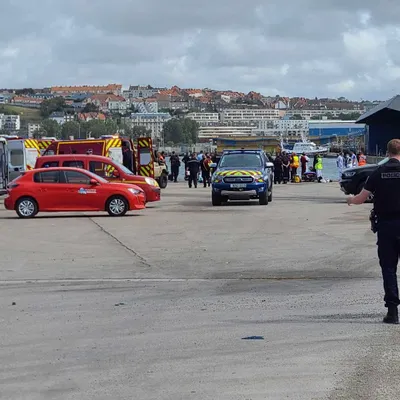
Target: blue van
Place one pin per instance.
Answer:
(242, 175)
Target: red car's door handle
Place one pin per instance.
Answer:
(42, 190)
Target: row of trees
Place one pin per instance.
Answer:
(181, 130)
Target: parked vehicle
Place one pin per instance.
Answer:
(105, 167)
(242, 174)
(22, 155)
(353, 179)
(138, 156)
(70, 189)
(3, 166)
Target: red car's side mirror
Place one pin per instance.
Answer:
(93, 182)
(115, 173)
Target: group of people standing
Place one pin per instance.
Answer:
(286, 167)
(196, 165)
(350, 160)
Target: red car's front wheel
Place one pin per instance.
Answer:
(26, 207)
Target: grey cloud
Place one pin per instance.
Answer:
(302, 47)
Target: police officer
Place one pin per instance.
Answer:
(384, 184)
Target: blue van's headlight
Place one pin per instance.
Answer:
(217, 179)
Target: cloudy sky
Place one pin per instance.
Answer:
(307, 48)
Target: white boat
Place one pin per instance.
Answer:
(304, 146)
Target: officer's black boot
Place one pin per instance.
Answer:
(392, 316)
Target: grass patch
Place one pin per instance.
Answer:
(27, 114)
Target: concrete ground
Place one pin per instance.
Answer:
(154, 305)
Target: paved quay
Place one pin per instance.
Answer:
(154, 305)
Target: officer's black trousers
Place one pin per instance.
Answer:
(278, 175)
(388, 253)
(193, 179)
(175, 172)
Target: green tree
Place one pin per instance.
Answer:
(140, 131)
(90, 107)
(25, 91)
(190, 130)
(173, 131)
(51, 128)
(94, 128)
(70, 128)
(111, 126)
(52, 105)
(181, 130)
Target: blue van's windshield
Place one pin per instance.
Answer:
(240, 161)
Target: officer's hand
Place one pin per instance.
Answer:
(350, 200)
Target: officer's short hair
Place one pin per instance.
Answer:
(393, 147)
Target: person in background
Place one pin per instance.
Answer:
(175, 164)
(318, 167)
(340, 165)
(362, 159)
(294, 164)
(185, 160)
(161, 158)
(200, 156)
(303, 161)
(285, 167)
(205, 170)
(347, 160)
(127, 155)
(278, 169)
(354, 162)
(193, 167)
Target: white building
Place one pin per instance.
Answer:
(250, 114)
(10, 122)
(5, 98)
(309, 114)
(204, 119)
(142, 92)
(117, 106)
(145, 106)
(33, 128)
(212, 132)
(59, 117)
(152, 121)
(108, 102)
(276, 127)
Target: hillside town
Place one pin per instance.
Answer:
(82, 111)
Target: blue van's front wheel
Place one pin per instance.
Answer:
(216, 199)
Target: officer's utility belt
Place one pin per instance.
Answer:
(373, 218)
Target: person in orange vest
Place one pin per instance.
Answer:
(294, 164)
(362, 159)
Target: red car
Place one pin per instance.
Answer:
(104, 167)
(70, 189)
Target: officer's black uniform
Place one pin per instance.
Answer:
(384, 183)
(193, 167)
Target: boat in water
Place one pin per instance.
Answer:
(304, 146)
